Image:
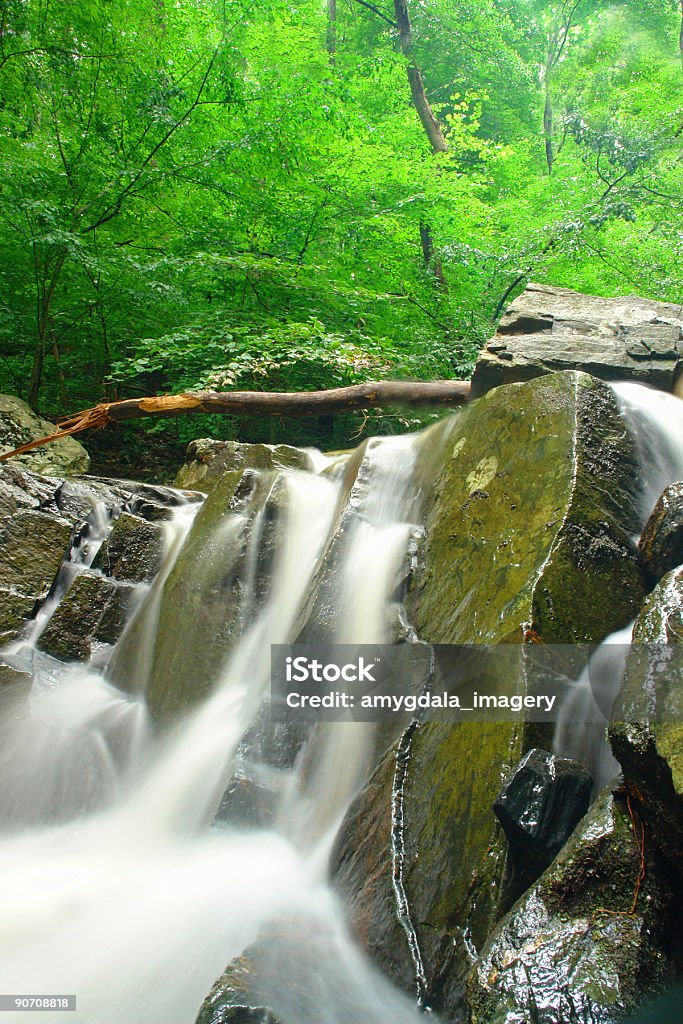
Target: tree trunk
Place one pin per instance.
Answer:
(332, 32)
(417, 90)
(680, 37)
(263, 403)
(548, 129)
(431, 258)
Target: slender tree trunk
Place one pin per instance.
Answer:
(430, 255)
(680, 37)
(429, 120)
(332, 32)
(548, 129)
(37, 368)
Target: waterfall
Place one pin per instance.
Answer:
(115, 885)
(655, 420)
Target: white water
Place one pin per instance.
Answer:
(655, 419)
(113, 884)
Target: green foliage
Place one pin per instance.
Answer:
(200, 195)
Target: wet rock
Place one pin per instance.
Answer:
(227, 1003)
(32, 546)
(94, 610)
(540, 805)
(207, 460)
(588, 942)
(547, 329)
(19, 425)
(661, 544)
(646, 727)
(15, 611)
(11, 677)
(133, 552)
(206, 598)
(528, 536)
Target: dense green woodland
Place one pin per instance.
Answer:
(286, 195)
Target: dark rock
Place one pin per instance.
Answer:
(528, 536)
(133, 552)
(12, 677)
(19, 425)
(227, 1003)
(661, 544)
(539, 807)
(15, 611)
(94, 609)
(646, 727)
(207, 461)
(588, 942)
(547, 329)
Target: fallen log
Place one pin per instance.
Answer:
(261, 403)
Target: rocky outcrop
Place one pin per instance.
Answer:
(45, 520)
(588, 941)
(528, 536)
(646, 729)
(661, 543)
(19, 425)
(207, 461)
(547, 329)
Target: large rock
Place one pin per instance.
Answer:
(528, 537)
(661, 543)
(587, 942)
(646, 729)
(547, 329)
(94, 610)
(207, 461)
(19, 425)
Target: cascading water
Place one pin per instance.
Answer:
(113, 883)
(655, 419)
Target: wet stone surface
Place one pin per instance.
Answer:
(540, 805)
(661, 544)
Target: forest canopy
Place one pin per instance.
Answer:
(281, 195)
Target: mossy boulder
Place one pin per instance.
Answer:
(528, 536)
(646, 728)
(588, 941)
(19, 425)
(207, 461)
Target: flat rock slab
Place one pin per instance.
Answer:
(547, 329)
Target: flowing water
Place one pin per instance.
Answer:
(115, 886)
(118, 881)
